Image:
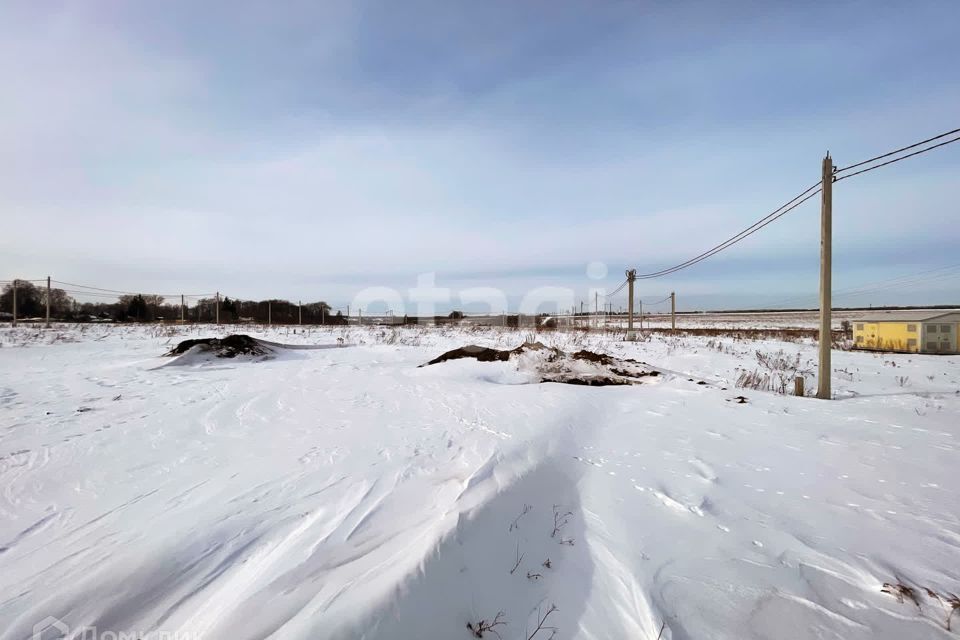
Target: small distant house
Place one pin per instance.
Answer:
(909, 332)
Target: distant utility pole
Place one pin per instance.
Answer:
(631, 276)
(181, 308)
(641, 315)
(673, 311)
(14, 302)
(299, 311)
(826, 249)
(596, 308)
(48, 302)
(360, 316)
(323, 314)
(269, 312)
(218, 307)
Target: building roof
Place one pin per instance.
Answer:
(920, 315)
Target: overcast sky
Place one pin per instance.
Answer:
(309, 150)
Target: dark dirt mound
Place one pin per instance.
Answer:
(553, 365)
(486, 354)
(229, 347)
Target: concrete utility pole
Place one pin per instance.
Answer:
(631, 276)
(641, 315)
(630, 279)
(826, 249)
(48, 302)
(14, 302)
(673, 311)
(218, 307)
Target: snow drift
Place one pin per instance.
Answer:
(351, 494)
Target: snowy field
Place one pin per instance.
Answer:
(347, 492)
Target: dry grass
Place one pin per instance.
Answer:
(903, 593)
(479, 628)
(542, 622)
(776, 373)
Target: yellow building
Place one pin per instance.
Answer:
(909, 332)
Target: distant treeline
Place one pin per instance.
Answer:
(32, 303)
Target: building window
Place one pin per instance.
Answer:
(859, 326)
(931, 346)
(911, 343)
(944, 328)
(859, 339)
(911, 328)
(931, 328)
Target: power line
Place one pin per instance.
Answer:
(616, 291)
(879, 285)
(130, 293)
(900, 150)
(803, 197)
(777, 213)
(83, 286)
(896, 285)
(883, 164)
(907, 276)
(96, 294)
(89, 293)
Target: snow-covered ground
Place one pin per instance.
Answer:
(348, 493)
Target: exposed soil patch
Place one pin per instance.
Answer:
(553, 365)
(229, 347)
(486, 354)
